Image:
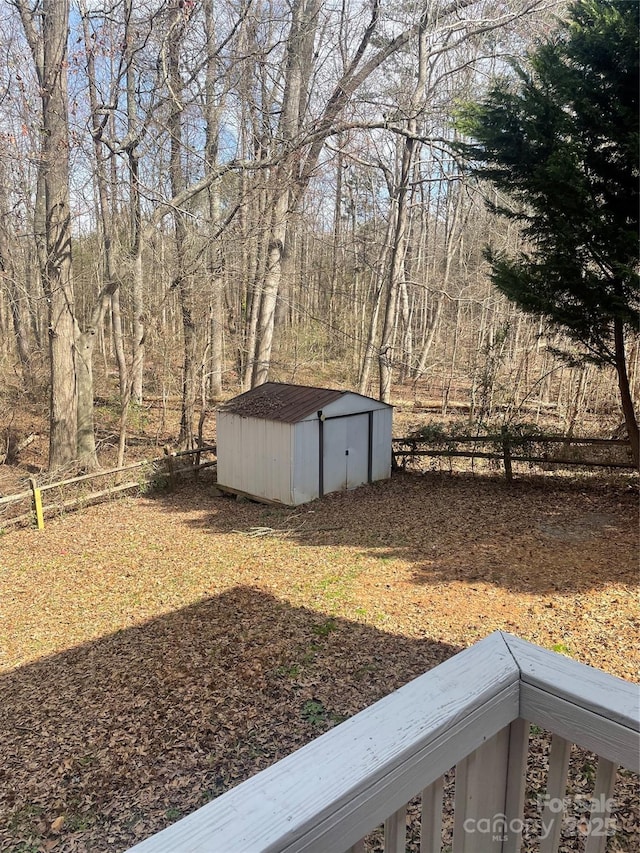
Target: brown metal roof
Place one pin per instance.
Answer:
(275, 401)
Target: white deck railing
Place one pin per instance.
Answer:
(473, 711)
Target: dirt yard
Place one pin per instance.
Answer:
(156, 651)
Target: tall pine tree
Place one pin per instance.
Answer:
(559, 141)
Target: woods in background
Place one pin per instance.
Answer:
(198, 196)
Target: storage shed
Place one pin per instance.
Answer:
(292, 443)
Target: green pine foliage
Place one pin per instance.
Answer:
(558, 139)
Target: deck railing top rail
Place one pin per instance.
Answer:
(327, 795)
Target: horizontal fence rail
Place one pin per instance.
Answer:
(508, 448)
(169, 467)
(472, 713)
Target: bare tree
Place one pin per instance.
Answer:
(45, 28)
(17, 296)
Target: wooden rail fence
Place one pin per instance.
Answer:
(504, 447)
(169, 467)
(507, 448)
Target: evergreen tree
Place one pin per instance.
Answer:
(559, 141)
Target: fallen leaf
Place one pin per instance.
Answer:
(57, 824)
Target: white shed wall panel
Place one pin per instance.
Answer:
(228, 467)
(255, 456)
(306, 460)
(382, 429)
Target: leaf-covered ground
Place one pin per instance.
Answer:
(157, 650)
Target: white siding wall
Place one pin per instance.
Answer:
(382, 426)
(227, 445)
(306, 462)
(255, 456)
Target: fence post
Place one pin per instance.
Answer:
(196, 462)
(37, 503)
(506, 452)
(170, 466)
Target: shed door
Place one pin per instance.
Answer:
(346, 452)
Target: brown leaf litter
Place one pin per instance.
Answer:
(158, 650)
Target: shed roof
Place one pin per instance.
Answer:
(275, 401)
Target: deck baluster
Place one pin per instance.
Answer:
(601, 820)
(553, 811)
(431, 820)
(395, 832)
(516, 785)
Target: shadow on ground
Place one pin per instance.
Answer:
(111, 741)
(537, 535)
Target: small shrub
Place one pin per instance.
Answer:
(325, 628)
(314, 712)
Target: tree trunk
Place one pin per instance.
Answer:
(86, 443)
(135, 214)
(396, 271)
(298, 71)
(269, 294)
(17, 301)
(214, 251)
(87, 455)
(183, 277)
(138, 322)
(57, 277)
(372, 336)
(46, 34)
(118, 337)
(429, 335)
(628, 407)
